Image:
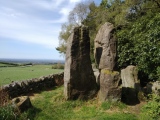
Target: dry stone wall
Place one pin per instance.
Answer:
(24, 87)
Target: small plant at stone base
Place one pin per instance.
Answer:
(151, 111)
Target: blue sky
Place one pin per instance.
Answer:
(29, 29)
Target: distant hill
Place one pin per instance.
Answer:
(33, 61)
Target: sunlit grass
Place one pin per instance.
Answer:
(50, 105)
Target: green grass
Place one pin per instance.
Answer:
(50, 105)
(9, 74)
(110, 104)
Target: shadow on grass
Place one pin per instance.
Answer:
(130, 96)
(30, 114)
(40, 91)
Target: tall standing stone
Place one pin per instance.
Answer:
(79, 79)
(105, 55)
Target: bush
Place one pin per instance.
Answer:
(3, 98)
(151, 111)
(158, 73)
(7, 112)
(6, 109)
(58, 66)
(139, 44)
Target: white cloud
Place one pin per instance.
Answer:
(37, 33)
(74, 1)
(35, 22)
(64, 16)
(64, 11)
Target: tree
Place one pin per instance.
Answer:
(79, 13)
(76, 18)
(139, 44)
(136, 28)
(66, 30)
(105, 4)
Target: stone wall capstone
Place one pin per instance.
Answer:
(25, 87)
(79, 79)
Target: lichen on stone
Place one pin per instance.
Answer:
(109, 72)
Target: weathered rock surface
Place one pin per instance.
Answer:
(153, 87)
(109, 85)
(129, 77)
(130, 85)
(21, 104)
(105, 55)
(79, 79)
(105, 47)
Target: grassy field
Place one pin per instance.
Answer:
(16, 73)
(50, 105)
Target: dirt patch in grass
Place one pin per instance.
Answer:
(136, 108)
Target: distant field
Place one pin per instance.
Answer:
(5, 65)
(17, 73)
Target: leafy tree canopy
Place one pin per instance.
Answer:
(137, 28)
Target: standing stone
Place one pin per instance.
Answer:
(79, 79)
(153, 87)
(129, 77)
(105, 47)
(130, 85)
(105, 55)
